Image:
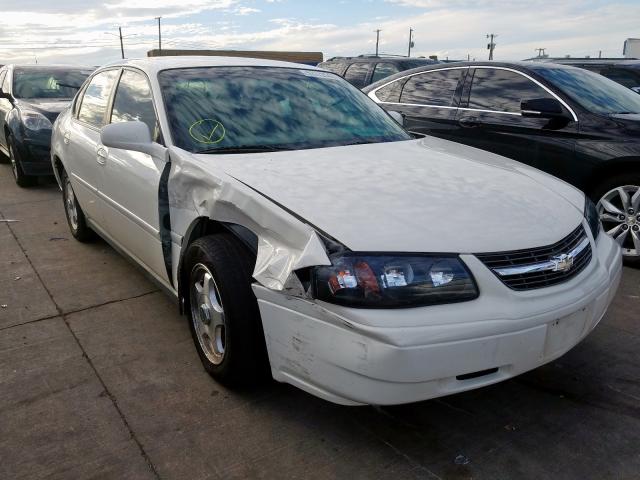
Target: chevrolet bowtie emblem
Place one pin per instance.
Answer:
(562, 263)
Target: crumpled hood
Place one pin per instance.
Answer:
(427, 195)
(50, 108)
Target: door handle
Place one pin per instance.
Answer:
(469, 122)
(66, 138)
(101, 155)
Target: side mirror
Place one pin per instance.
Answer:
(132, 136)
(5, 95)
(542, 108)
(397, 116)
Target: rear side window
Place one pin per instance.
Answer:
(383, 70)
(391, 92)
(5, 83)
(335, 67)
(356, 74)
(502, 90)
(628, 78)
(133, 101)
(432, 88)
(96, 97)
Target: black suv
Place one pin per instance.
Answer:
(31, 97)
(366, 69)
(570, 122)
(625, 72)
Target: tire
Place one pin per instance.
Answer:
(75, 216)
(620, 222)
(225, 324)
(23, 180)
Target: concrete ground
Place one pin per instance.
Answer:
(99, 379)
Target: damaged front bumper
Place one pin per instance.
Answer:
(361, 356)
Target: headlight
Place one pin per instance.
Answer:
(393, 281)
(34, 121)
(592, 216)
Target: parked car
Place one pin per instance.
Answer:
(299, 227)
(31, 97)
(624, 72)
(572, 123)
(366, 69)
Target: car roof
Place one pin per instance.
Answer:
(154, 65)
(44, 66)
(380, 58)
(522, 66)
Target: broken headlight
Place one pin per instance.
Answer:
(393, 280)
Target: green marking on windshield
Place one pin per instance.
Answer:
(207, 131)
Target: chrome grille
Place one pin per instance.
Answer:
(541, 267)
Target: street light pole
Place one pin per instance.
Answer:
(491, 46)
(377, 40)
(121, 44)
(410, 42)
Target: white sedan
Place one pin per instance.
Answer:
(301, 228)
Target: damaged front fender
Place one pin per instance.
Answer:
(285, 243)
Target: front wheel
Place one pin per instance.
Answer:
(618, 202)
(223, 311)
(20, 177)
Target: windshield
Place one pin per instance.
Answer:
(47, 83)
(217, 109)
(594, 92)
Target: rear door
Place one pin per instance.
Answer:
(428, 100)
(490, 118)
(130, 180)
(84, 155)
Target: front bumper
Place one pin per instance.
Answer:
(34, 153)
(359, 356)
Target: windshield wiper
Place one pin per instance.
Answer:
(245, 149)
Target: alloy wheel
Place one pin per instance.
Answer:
(207, 313)
(619, 211)
(70, 205)
(12, 158)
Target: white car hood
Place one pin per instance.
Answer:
(427, 195)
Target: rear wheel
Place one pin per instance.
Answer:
(223, 311)
(75, 216)
(21, 178)
(619, 208)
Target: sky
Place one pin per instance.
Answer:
(84, 32)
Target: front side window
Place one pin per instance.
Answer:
(356, 74)
(384, 70)
(133, 101)
(594, 92)
(218, 109)
(5, 83)
(502, 90)
(96, 97)
(2, 74)
(335, 67)
(29, 83)
(432, 88)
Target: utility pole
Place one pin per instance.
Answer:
(410, 42)
(159, 34)
(377, 40)
(121, 44)
(491, 45)
(541, 52)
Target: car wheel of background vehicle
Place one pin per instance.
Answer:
(223, 312)
(618, 201)
(75, 216)
(21, 179)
